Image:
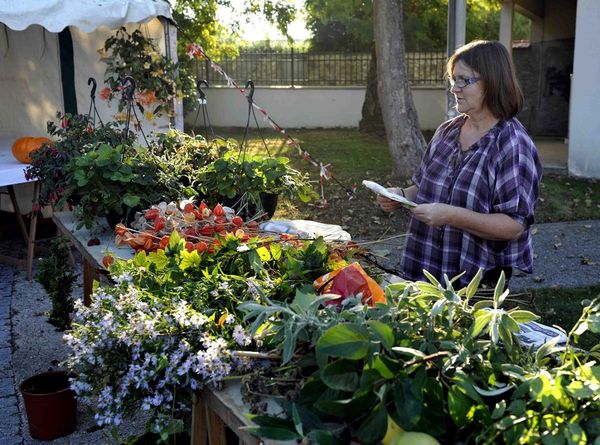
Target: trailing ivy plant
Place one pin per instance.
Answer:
(433, 362)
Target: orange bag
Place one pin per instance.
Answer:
(348, 281)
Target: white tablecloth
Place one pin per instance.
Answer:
(11, 170)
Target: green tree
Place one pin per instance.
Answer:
(347, 25)
(197, 23)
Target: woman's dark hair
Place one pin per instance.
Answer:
(493, 63)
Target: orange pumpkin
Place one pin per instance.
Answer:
(25, 145)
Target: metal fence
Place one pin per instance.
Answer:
(292, 68)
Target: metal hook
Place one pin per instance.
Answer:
(131, 90)
(91, 80)
(201, 93)
(250, 84)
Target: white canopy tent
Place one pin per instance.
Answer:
(49, 50)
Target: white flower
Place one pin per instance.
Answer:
(123, 278)
(239, 335)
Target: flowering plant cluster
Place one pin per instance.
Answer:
(73, 135)
(155, 76)
(171, 324)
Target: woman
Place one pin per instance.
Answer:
(478, 183)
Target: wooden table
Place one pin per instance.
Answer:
(214, 410)
(11, 174)
(92, 255)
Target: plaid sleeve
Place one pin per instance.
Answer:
(517, 179)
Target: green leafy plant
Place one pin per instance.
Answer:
(113, 179)
(155, 76)
(432, 362)
(179, 157)
(170, 325)
(57, 277)
(72, 136)
(247, 176)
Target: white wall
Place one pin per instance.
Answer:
(584, 119)
(310, 107)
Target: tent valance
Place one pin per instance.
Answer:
(87, 15)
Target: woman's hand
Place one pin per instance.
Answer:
(387, 204)
(435, 214)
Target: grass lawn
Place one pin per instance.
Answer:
(562, 307)
(356, 156)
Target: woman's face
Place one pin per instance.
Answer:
(469, 98)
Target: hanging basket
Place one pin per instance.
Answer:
(50, 404)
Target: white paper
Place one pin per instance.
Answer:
(380, 190)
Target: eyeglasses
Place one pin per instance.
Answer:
(463, 83)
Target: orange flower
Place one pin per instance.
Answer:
(105, 93)
(146, 97)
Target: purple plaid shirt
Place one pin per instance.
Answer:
(500, 173)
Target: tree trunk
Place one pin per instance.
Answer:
(402, 129)
(372, 120)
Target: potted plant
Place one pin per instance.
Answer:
(250, 180)
(179, 156)
(112, 180)
(50, 405)
(72, 136)
(57, 278)
(157, 82)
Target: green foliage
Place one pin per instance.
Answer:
(483, 21)
(171, 325)
(112, 179)
(57, 278)
(238, 174)
(179, 157)
(435, 363)
(342, 25)
(156, 79)
(72, 137)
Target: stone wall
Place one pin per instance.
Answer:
(544, 72)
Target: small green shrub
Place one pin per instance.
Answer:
(57, 278)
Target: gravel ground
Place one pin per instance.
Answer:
(566, 255)
(37, 347)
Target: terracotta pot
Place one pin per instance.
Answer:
(50, 405)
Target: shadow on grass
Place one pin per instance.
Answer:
(562, 307)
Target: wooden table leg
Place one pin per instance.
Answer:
(89, 275)
(32, 230)
(207, 426)
(15, 204)
(216, 428)
(199, 430)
